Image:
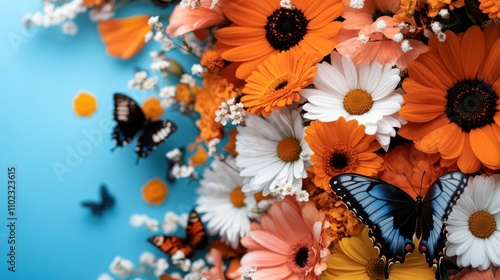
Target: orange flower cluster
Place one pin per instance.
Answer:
(343, 223)
(215, 91)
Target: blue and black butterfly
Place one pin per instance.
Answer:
(394, 217)
(99, 207)
(131, 120)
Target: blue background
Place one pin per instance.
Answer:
(41, 71)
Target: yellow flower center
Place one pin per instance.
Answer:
(357, 102)
(375, 269)
(289, 149)
(237, 197)
(482, 224)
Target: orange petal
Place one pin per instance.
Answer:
(415, 131)
(467, 161)
(449, 50)
(472, 52)
(485, 146)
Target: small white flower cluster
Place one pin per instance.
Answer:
(159, 63)
(248, 273)
(197, 70)
(188, 80)
(261, 207)
(287, 4)
(363, 38)
(137, 220)
(287, 189)
(60, 15)
(436, 28)
(405, 46)
(159, 35)
(212, 146)
(167, 96)
(171, 221)
(229, 111)
(381, 25)
(357, 4)
(121, 267)
(195, 268)
(103, 12)
(159, 266)
(179, 170)
(141, 82)
(192, 4)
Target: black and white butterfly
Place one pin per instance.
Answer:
(98, 208)
(130, 118)
(394, 217)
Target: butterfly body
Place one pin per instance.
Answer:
(196, 238)
(130, 118)
(395, 218)
(98, 208)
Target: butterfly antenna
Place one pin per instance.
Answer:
(422, 182)
(413, 187)
(114, 148)
(137, 161)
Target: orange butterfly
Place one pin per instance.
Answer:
(196, 238)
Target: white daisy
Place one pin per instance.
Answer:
(223, 204)
(474, 224)
(364, 92)
(272, 151)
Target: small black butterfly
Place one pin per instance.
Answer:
(131, 120)
(98, 208)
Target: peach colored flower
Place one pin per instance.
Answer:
(373, 32)
(184, 20)
(288, 243)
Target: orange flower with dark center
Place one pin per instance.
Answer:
(268, 28)
(452, 99)
(341, 147)
(277, 81)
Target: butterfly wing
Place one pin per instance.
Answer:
(154, 134)
(96, 208)
(196, 235)
(107, 200)
(129, 117)
(171, 245)
(436, 206)
(389, 213)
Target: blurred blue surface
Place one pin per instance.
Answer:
(41, 72)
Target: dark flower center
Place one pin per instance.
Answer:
(282, 85)
(380, 13)
(301, 257)
(471, 104)
(339, 161)
(285, 28)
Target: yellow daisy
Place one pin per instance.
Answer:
(355, 258)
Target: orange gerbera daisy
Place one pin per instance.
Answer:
(490, 7)
(268, 28)
(341, 147)
(276, 82)
(411, 170)
(124, 37)
(452, 99)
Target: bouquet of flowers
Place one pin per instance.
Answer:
(343, 139)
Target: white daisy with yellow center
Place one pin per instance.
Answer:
(474, 224)
(223, 205)
(272, 151)
(364, 92)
